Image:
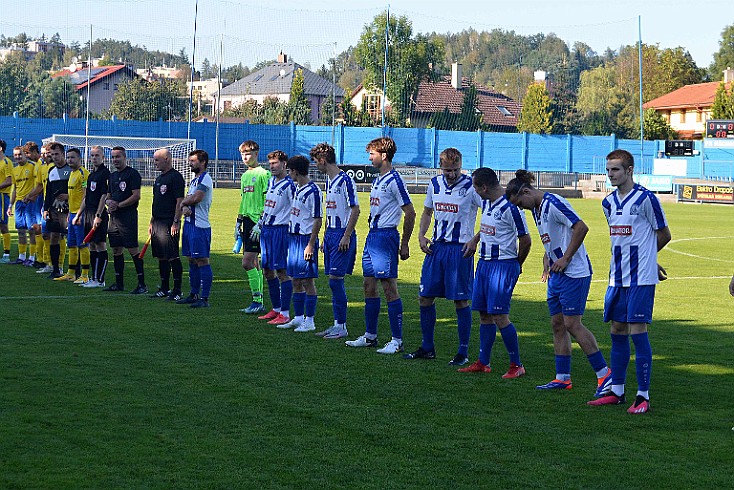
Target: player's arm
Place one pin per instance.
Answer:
(351, 225)
(12, 202)
(130, 201)
(311, 247)
(408, 225)
(176, 226)
(663, 237)
(578, 233)
(523, 248)
(470, 247)
(423, 226)
(78, 217)
(6, 183)
(191, 200)
(546, 268)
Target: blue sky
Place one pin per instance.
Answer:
(249, 31)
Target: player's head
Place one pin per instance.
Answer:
(198, 161)
(96, 155)
(3, 146)
(620, 166)
(31, 150)
(19, 156)
(298, 165)
(162, 160)
(381, 150)
(119, 157)
(74, 158)
(44, 153)
(277, 160)
(248, 151)
(450, 162)
(485, 182)
(322, 155)
(520, 190)
(56, 154)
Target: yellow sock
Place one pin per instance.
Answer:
(73, 259)
(22, 247)
(33, 249)
(6, 242)
(47, 251)
(85, 258)
(40, 248)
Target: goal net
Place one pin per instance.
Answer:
(139, 151)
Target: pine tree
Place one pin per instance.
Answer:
(299, 108)
(536, 113)
(470, 118)
(722, 101)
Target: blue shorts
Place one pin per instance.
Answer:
(24, 215)
(494, 282)
(380, 256)
(274, 247)
(75, 233)
(196, 242)
(38, 210)
(336, 262)
(629, 305)
(447, 273)
(298, 267)
(567, 295)
(4, 206)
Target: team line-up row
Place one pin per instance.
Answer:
(279, 224)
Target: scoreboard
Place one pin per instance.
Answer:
(717, 128)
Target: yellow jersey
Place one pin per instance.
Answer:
(24, 179)
(42, 174)
(6, 170)
(77, 186)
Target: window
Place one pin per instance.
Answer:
(504, 110)
(106, 86)
(699, 116)
(683, 116)
(373, 105)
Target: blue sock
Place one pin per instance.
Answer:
(299, 300)
(274, 291)
(597, 361)
(487, 333)
(207, 277)
(428, 325)
(338, 300)
(643, 360)
(371, 315)
(509, 337)
(620, 358)
(311, 305)
(194, 278)
(286, 292)
(463, 320)
(563, 367)
(395, 314)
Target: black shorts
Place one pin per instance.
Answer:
(100, 236)
(123, 229)
(249, 245)
(163, 245)
(57, 222)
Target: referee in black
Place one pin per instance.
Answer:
(165, 224)
(122, 204)
(95, 216)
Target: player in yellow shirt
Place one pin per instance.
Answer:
(78, 250)
(24, 180)
(34, 156)
(6, 187)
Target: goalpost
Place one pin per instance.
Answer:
(139, 151)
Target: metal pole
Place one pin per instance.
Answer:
(219, 93)
(642, 125)
(333, 97)
(89, 83)
(384, 69)
(193, 61)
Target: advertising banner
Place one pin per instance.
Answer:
(706, 193)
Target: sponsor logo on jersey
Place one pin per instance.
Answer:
(248, 188)
(545, 238)
(295, 211)
(620, 230)
(488, 230)
(374, 201)
(269, 203)
(164, 188)
(330, 204)
(446, 207)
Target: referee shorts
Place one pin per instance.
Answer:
(123, 229)
(100, 236)
(164, 246)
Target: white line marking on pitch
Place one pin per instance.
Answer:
(670, 249)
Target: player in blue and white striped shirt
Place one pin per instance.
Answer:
(504, 243)
(638, 231)
(389, 199)
(453, 203)
(340, 239)
(567, 269)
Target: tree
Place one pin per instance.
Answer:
(299, 108)
(329, 111)
(721, 108)
(724, 57)
(149, 101)
(443, 120)
(52, 98)
(278, 112)
(206, 70)
(13, 80)
(470, 117)
(656, 127)
(536, 113)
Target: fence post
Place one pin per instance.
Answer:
(569, 153)
(480, 148)
(293, 138)
(339, 144)
(15, 128)
(434, 145)
(613, 141)
(524, 153)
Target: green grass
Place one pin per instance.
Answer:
(100, 390)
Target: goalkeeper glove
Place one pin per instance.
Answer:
(255, 233)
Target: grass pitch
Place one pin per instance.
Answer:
(101, 390)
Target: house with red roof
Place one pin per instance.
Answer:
(103, 83)
(688, 108)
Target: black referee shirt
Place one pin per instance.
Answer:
(167, 188)
(123, 183)
(97, 187)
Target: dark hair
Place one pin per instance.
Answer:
(325, 151)
(56, 146)
(74, 150)
(120, 148)
(3, 145)
(626, 157)
(450, 155)
(30, 146)
(523, 178)
(200, 155)
(299, 163)
(384, 145)
(280, 155)
(485, 176)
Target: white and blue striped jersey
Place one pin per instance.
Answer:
(200, 212)
(278, 201)
(454, 209)
(387, 198)
(554, 220)
(305, 208)
(341, 195)
(501, 225)
(632, 226)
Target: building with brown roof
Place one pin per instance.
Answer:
(103, 83)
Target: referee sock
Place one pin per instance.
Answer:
(299, 301)
(119, 265)
(103, 257)
(274, 293)
(338, 300)
(164, 269)
(177, 272)
(139, 268)
(643, 360)
(509, 337)
(563, 368)
(93, 254)
(395, 314)
(194, 278)
(463, 320)
(55, 253)
(371, 315)
(487, 333)
(428, 325)
(286, 292)
(254, 277)
(207, 277)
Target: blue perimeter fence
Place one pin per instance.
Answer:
(416, 147)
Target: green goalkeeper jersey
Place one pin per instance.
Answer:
(253, 186)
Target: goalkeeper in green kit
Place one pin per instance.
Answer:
(253, 185)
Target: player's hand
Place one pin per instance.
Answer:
(150, 230)
(545, 275)
(255, 232)
(404, 251)
(470, 247)
(662, 273)
(343, 244)
(97, 222)
(321, 245)
(175, 228)
(186, 211)
(308, 252)
(10, 210)
(425, 244)
(75, 221)
(45, 215)
(111, 205)
(559, 265)
(238, 227)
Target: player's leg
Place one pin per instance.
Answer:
(641, 300)
(4, 230)
(309, 288)
(615, 311)
(371, 295)
(458, 286)
(250, 252)
(394, 315)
